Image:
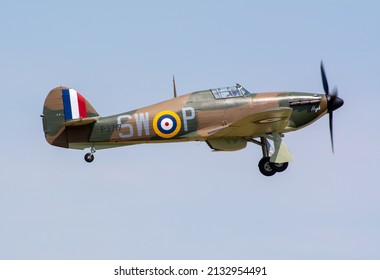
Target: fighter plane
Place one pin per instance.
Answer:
(226, 118)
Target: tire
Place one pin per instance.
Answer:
(265, 167)
(89, 157)
(279, 167)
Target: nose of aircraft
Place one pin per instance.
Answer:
(335, 103)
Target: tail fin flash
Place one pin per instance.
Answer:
(66, 107)
(74, 104)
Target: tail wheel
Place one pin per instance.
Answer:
(279, 167)
(89, 157)
(265, 167)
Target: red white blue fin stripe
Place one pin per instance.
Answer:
(74, 104)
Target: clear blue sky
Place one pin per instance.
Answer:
(181, 201)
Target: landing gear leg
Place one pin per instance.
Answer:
(281, 155)
(266, 167)
(89, 157)
(264, 164)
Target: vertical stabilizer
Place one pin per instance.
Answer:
(62, 106)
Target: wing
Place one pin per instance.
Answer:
(273, 120)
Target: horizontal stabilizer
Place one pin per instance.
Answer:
(83, 121)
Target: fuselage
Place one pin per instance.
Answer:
(195, 116)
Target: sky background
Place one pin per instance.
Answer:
(181, 201)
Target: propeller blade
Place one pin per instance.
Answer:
(334, 94)
(333, 103)
(331, 131)
(324, 80)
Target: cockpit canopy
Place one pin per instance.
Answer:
(229, 92)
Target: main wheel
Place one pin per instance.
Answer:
(265, 167)
(279, 167)
(89, 157)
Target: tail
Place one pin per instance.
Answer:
(67, 117)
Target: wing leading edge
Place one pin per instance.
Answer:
(265, 122)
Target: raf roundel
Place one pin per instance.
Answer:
(166, 124)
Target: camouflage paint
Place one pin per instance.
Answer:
(197, 116)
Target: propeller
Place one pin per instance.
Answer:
(333, 102)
